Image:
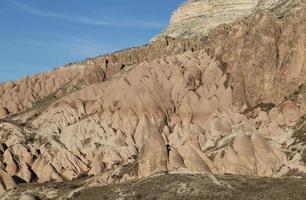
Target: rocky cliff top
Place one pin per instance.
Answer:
(196, 18)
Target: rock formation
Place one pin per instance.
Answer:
(7, 182)
(232, 102)
(40, 89)
(196, 18)
(275, 50)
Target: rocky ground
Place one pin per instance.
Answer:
(194, 187)
(173, 186)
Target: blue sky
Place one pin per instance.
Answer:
(37, 35)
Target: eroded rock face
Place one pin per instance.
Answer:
(23, 94)
(154, 156)
(93, 74)
(7, 182)
(3, 112)
(264, 56)
(174, 114)
(234, 107)
(196, 18)
(41, 89)
(250, 155)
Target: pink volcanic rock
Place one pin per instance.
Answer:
(164, 107)
(166, 113)
(93, 74)
(264, 56)
(3, 112)
(24, 93)
(97, 166)
(25, 173)
(176, 162)
(11, 165)
(192, 160)
(291, 113)
(153, 157)
(250, 155)
(7, 182)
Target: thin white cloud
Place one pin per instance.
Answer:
(85, 20)
(84, 49)
(68, 45)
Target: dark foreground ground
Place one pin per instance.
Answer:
(169, 187)
(197, 186)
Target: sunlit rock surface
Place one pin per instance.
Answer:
(196, 18)
(232, 103)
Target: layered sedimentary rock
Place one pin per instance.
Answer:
(264, 56)
(196, 18)
(23, 94)
(232, 103)
(176, 113)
